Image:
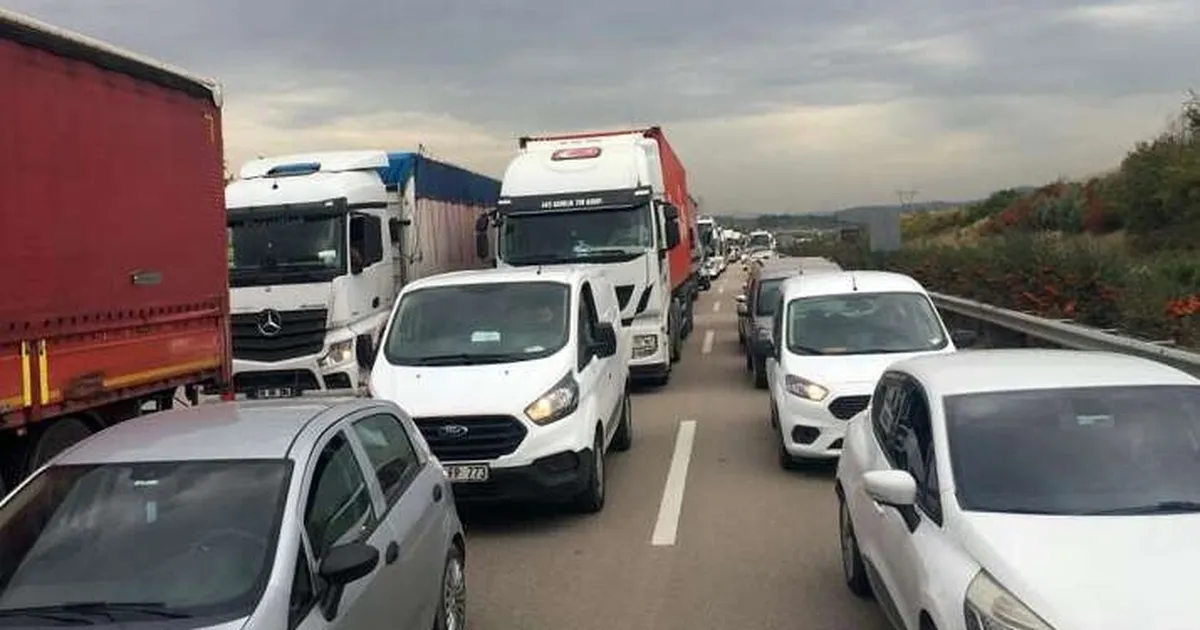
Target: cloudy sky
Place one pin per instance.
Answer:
(774, 105)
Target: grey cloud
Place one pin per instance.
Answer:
(529, 65)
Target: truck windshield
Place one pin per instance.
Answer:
(591, 235)
(759, 241)
(286, 250)
(480, 323)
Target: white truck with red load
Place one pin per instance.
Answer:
(617, 199)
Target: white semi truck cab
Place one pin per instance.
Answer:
(602, 200)
(319, 246)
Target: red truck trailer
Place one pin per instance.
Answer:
(112, 238)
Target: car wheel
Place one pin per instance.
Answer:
(749, 363)
(760, 374)
(591, 500)
(624, 437)
(852, 563)
(452, 611)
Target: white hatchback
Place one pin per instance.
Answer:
(1025, 489)
(833, 335)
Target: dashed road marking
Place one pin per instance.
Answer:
(716, 307)
(720, 289)
(667, 527)
(708, 342)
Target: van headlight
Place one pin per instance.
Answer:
(338, 353)
(556, 404)
(804, 388)
(989, 606)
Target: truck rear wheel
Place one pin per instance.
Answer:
(56, 437)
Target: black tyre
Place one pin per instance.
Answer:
(452, 609)
(853, 568)
(591, 500)
(624, 437)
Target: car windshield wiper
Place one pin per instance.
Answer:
(108, 610)
(804, 350)
(463, 358)
(1162, 507)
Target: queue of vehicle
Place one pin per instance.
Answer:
(979, 489)
(973, 486)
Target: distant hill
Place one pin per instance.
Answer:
(826, 220)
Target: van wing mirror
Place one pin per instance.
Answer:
(606, 341)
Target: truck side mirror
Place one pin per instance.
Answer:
(672, 234)
(482, 223)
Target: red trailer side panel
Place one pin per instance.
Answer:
(675, 180)
(112, 225)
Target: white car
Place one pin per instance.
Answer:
(1025, 489)
(517, 378)
(832, 336)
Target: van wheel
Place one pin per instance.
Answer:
(624, 437)
(591, 500)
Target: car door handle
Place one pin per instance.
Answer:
(437, 493)
(393, 552)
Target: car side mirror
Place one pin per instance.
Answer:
(606, 341)
(342, 565)
(741, 298)
(743, 310)
(356, 266)
(895, 488)
(348, 563)
(964, 338)
(364, 351)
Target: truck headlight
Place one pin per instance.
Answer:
(338, 353)
(804, 388)
(989, 606)
(644, 345)
(556, 404)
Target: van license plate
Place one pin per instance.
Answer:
(468, 473)
(275, 392)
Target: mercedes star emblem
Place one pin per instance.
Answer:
(270, 322)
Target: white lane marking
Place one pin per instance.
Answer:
(720, 289)
(708, 342)
(667, 527)
(716, 306)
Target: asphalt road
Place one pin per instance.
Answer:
(709, 533)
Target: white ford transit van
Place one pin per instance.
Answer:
(517, 378)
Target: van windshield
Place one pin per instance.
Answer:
(472, 324)
(864, 323)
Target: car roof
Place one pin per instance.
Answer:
(837, 282)
(567, 274)
(226, 430)
(979, 371)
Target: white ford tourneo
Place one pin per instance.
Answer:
(517, 378)
(832, 337)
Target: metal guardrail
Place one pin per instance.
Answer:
(1068, 335)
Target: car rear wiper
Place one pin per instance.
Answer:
(1162, 507)
(101, 608)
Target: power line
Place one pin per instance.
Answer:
(906, 197)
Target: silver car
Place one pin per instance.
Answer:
(299, 515)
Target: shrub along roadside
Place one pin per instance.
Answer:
(1154, 297)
